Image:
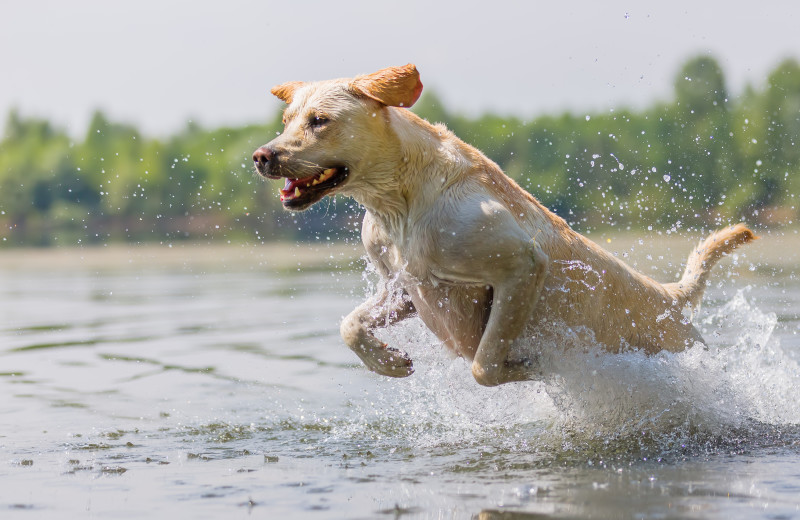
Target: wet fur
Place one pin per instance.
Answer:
(475, 256)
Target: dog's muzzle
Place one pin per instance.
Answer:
(299, 192)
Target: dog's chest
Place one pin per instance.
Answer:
(454, 311)
(407, 267)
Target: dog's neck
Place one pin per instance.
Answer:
(421, 161)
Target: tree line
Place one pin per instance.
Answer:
(698, 160)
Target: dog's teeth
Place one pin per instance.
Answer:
(327, 174)
(314, 182)
(297, 192)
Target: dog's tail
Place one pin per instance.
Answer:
(690, 288)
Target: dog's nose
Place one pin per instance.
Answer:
(262, 156)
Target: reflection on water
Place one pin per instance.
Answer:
(204, 391)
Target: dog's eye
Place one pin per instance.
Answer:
(317, 121)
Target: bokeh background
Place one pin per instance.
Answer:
(136, 121)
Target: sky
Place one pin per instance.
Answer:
(159, 64)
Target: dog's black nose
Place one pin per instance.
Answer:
(262, 156)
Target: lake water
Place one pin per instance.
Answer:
(211, 383)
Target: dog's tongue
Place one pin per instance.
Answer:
(290, 186)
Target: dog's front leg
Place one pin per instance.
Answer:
(357, 327)
(515, 297)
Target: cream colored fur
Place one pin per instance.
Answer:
(477, 258)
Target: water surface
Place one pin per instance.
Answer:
(200, 383)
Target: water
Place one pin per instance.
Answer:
(164, 382)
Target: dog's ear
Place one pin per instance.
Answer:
(285, 92)
(394, 87)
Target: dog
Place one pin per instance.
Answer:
(460, 244)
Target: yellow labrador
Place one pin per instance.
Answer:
(459, 243)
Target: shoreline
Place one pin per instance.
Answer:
(277, 256)
(776, 248)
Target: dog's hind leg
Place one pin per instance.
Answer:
(677, 336)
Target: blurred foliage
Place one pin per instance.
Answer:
(700, 160)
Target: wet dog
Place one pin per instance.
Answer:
(458, 242)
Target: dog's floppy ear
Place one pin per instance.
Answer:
(394, 86)
(285, 92)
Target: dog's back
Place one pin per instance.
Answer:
(587, 286)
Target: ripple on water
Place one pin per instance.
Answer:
(225, 416)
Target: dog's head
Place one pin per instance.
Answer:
(332, 130)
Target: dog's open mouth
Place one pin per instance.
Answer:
(299, 193)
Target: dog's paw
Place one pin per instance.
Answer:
(507, 372)
(387, 361)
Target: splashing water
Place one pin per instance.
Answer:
(757, 367)
(207, 392)
(735, 387)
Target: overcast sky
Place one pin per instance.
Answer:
(159, 63)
